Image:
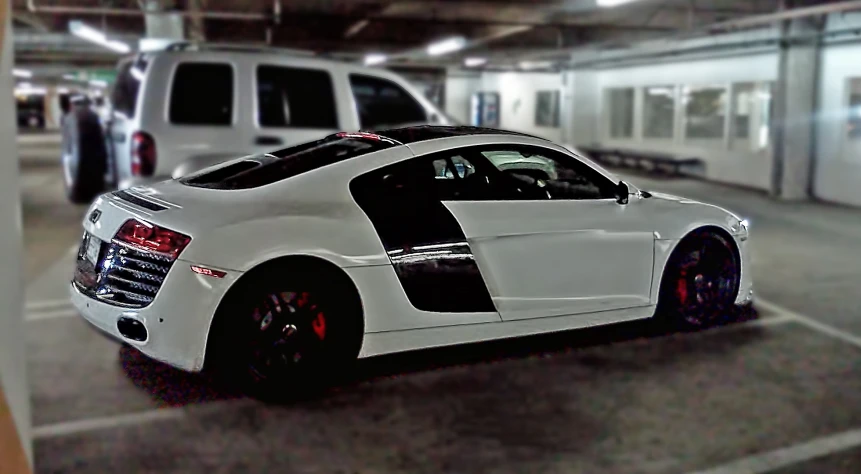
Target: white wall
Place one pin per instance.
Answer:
(12, 369)
(837, 171)
(517, 93)
(743, 167)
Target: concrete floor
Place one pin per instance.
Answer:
(625, 399)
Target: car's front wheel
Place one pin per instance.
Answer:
(287, 329)
(700, 282)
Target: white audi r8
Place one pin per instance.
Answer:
(368, 243)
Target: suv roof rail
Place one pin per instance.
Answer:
(235, 47)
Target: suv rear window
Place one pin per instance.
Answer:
(289, 162)
(294, 97)
(382, 103)
(124, 97)
(202, 94)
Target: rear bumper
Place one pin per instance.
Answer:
(177, 322)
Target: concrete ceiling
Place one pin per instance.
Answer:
(500, 30)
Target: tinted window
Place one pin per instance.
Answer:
(293, 161)
(292, 97)
(382, 103)
(202, 94)
(125, 93)
(554, 175)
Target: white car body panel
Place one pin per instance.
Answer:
(610, 256)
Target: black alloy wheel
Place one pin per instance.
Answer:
(701, 282)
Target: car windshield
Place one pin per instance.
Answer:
(289, 162)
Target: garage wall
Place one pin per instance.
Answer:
(724, 161)
(517, 92)
(837, 172)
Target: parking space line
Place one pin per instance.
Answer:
(812, 323)
(48, 304)
(92, 424)
(795, 454)
(45, 315)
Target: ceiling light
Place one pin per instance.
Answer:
(62, 90)
(446, 46)
(374, 59)
(93, 35)
(22, 73)
(30, 90)
(613, 3)
(98, 83)
(474, 62)
(70, 77)
(535, 64)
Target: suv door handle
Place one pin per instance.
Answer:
(268, 140)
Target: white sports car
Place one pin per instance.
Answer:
(368, 243)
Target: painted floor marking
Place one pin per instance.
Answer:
(46, 315)
(812, 323)
(48, 304)
(795, 454)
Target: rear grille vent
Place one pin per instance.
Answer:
(125, 196)
(122, 275)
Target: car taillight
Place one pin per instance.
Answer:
(153, 238)
(143, 154)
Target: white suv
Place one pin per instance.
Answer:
(190, 106)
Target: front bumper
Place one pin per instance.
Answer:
(177, 321)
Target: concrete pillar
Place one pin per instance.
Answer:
(795, 109)
(163, 26)
(196, 31)
(15, 447)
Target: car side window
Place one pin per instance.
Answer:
(382, 103)
(202, 94)
(295, 97)
(557, 176)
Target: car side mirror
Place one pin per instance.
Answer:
(622, 193)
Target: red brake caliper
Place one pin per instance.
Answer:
(319, 325)
(682, 289)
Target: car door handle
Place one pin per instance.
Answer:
(268, 140)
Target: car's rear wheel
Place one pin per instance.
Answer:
(700, 281)
(287, 330)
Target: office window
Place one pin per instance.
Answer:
(853, 125)
(620, 107)
(705, 112)
(547, 109)
(659, 110)
(202, 94)
(751, 117)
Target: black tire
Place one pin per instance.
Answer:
(84, 157)
(700, 282)
(286, 331)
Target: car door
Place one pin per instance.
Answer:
(549, 236)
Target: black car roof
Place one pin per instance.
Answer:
(422, 133)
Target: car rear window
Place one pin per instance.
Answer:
(295, 97)
(202, 94)
(382, 103)
(124, 96)
(289, 162)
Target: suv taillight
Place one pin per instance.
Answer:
(152, 238)
(143, 154)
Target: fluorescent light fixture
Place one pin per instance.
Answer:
(446, 46)
(70, 77)
(375, 58)
(62, 90)
(28, 89)
(81, 30)
(22, 73)
(535, 64)
(98, 83)
(613, 3)
(474, 62)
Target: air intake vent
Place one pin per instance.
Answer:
(125, 196)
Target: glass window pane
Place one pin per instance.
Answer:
(202, 94)
(547, 109)
(620, 105)
(751, 120)
(293, 97)
(382, 103)
(659, 110)
(854, 121)
(705, 112)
